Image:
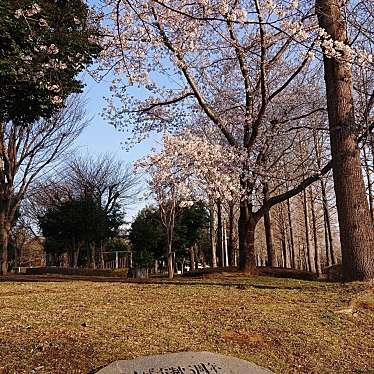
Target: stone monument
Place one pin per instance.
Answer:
(184, 363)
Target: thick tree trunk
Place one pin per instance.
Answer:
(212, 234)
(356, 227)
(268, 232)
(4, 240)
(246, 226)
(4, 244)
(170, 265)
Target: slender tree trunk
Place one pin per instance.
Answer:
(92, 247)
(102, 256)
(292, 248)
(330, 254)
(301, 257)
(283, 237)
(268, 231)
(225, 257)
(169, 253)
(356, 227)
(369, 184)
(317, 257)
(246, 227)
(76, 257)
(156, 266)
(212, 234)
(328, 261)
(192, 258)
(230, 246)
(220, 235)
(306, 223)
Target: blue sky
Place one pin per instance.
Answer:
(100, 137)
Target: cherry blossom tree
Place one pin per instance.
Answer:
(167, 195)
(242, 66)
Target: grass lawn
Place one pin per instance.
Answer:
(286, 325)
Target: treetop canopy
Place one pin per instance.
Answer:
(44, 44)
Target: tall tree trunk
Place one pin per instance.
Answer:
(369, 183)
(292, 242)
(225, 256)
(4, 239)
(220, 246)
(246, 227)
(330, 254)
(301, 257)
(306, 223)
(212, 234)
(92, 247)
(283, 237)
(356, 227)
(317, 257)
(169, 253)
(230, 244)
(268, 231)
(192, 258)
(170, 265)
(327, 243)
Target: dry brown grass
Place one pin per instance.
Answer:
(288, 326)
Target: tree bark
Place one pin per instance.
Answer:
(330, 254)
(231, 240)
(292, 248)
(369, 184)
(283, 237)
(92, 247)
(317, 257)
(307, 242)
(212, 234)
(356, 228)
(246, 226)
(170, 265)
(268, 232)
(220, 246)
(192, 258)
(4, 239)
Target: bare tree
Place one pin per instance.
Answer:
(109, 181)
(29, 152)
